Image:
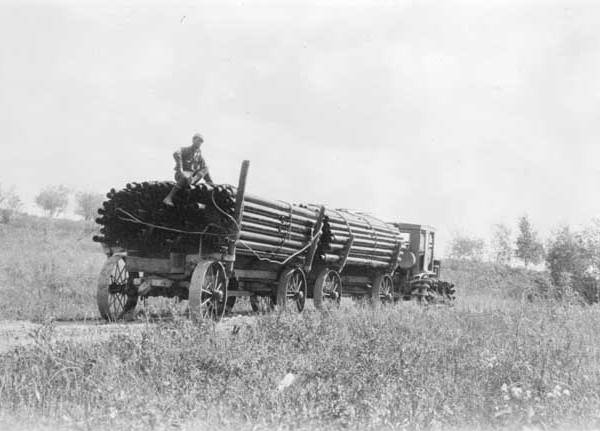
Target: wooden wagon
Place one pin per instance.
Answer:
(276, 253)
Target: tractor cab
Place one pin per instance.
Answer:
(421, 243)
(417, 275)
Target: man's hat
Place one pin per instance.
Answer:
(197, 136)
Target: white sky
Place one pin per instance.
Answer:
(457, 114)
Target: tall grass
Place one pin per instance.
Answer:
(48, 269)
(394, 368)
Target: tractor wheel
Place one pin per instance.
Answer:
(327, 289)
(382, 291)
(208, 291)
(115, 295)
(292, 289)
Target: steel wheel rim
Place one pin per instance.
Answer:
(212, 292)
(385, 289)
(332, 287)
(117, 289)
(295, 287)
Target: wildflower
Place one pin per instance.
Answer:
(287, 381)
(566, 392)
(506, 397)
(516, 392)
(504, 388)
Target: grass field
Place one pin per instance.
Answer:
(493, 361)
(48, 269)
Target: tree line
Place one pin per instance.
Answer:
(52, 200)
(502, 249)
(571, 256)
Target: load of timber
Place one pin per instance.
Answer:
(135, 219)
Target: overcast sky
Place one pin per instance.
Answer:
(457, 114)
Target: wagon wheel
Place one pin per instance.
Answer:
(292, 288)
(382, 291)
(327, 289)
(208, 291)
(262, 304)
(115, 295)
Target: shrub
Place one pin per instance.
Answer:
(466, 247)
(573, 261)
(53, 200)
(10, 204)
(88, 204)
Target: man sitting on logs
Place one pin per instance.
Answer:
(190, 168)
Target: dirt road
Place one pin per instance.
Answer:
(24, 333)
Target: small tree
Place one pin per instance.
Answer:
(529, 248)
(88, 204)
(465, 247)
(502, 244)
(10, 204)
(566, 257)
(53, 200)
(573, 264)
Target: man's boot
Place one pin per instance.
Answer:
(169, 199)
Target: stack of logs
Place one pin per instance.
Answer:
(135, 218)
(356, 239)
(275, 230)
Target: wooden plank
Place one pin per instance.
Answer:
(239, 293)
(238, 210)
(146, 264)
(355, 279)
(345, 253)
(255, 274)
(315, 241)
(395, 259)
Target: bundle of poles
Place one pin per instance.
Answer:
(359, 240)
(275, 230)
(136, 218)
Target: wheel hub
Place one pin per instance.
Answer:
(217, 295)
(115, 288)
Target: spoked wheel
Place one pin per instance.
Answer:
(292, 289)
(262, 304)
(382, 291)
(328, 289)
(208, 291)
(116, 296)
